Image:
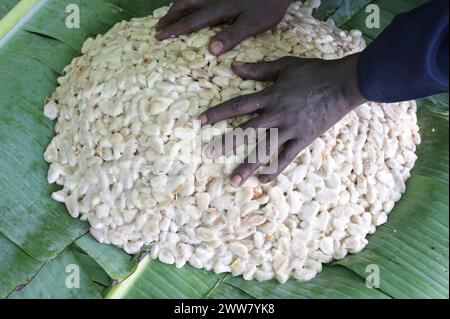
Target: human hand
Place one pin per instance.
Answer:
(308, 97)
(246, 18)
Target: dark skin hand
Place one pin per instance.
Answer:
(246, 18)
(307, 98)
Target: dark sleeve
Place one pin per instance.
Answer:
(409, 60)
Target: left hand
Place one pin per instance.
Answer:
(308, 97)
(245, 17)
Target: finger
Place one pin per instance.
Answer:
(230, 37)
(261, 154)
(238, 106)
(261, 71)
(289, 153)
(243, 172)
(254, 129)
(230, 141)
(178, 10)
(193, 22)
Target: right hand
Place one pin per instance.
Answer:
(246, 18)
(307, 98)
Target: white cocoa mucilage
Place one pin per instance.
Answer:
(127, 154)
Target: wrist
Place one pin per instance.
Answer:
(351, 90)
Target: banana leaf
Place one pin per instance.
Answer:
(39, 241)
(6, 6)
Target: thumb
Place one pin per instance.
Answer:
(261, 71)
(229, 38)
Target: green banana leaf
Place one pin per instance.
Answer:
(7, 6)
(40, 243)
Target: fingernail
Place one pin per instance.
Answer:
(203, 119)
(210, 152)
(160, 34)
(216, 47)
(236, 180)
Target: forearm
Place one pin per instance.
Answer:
(409, 59)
